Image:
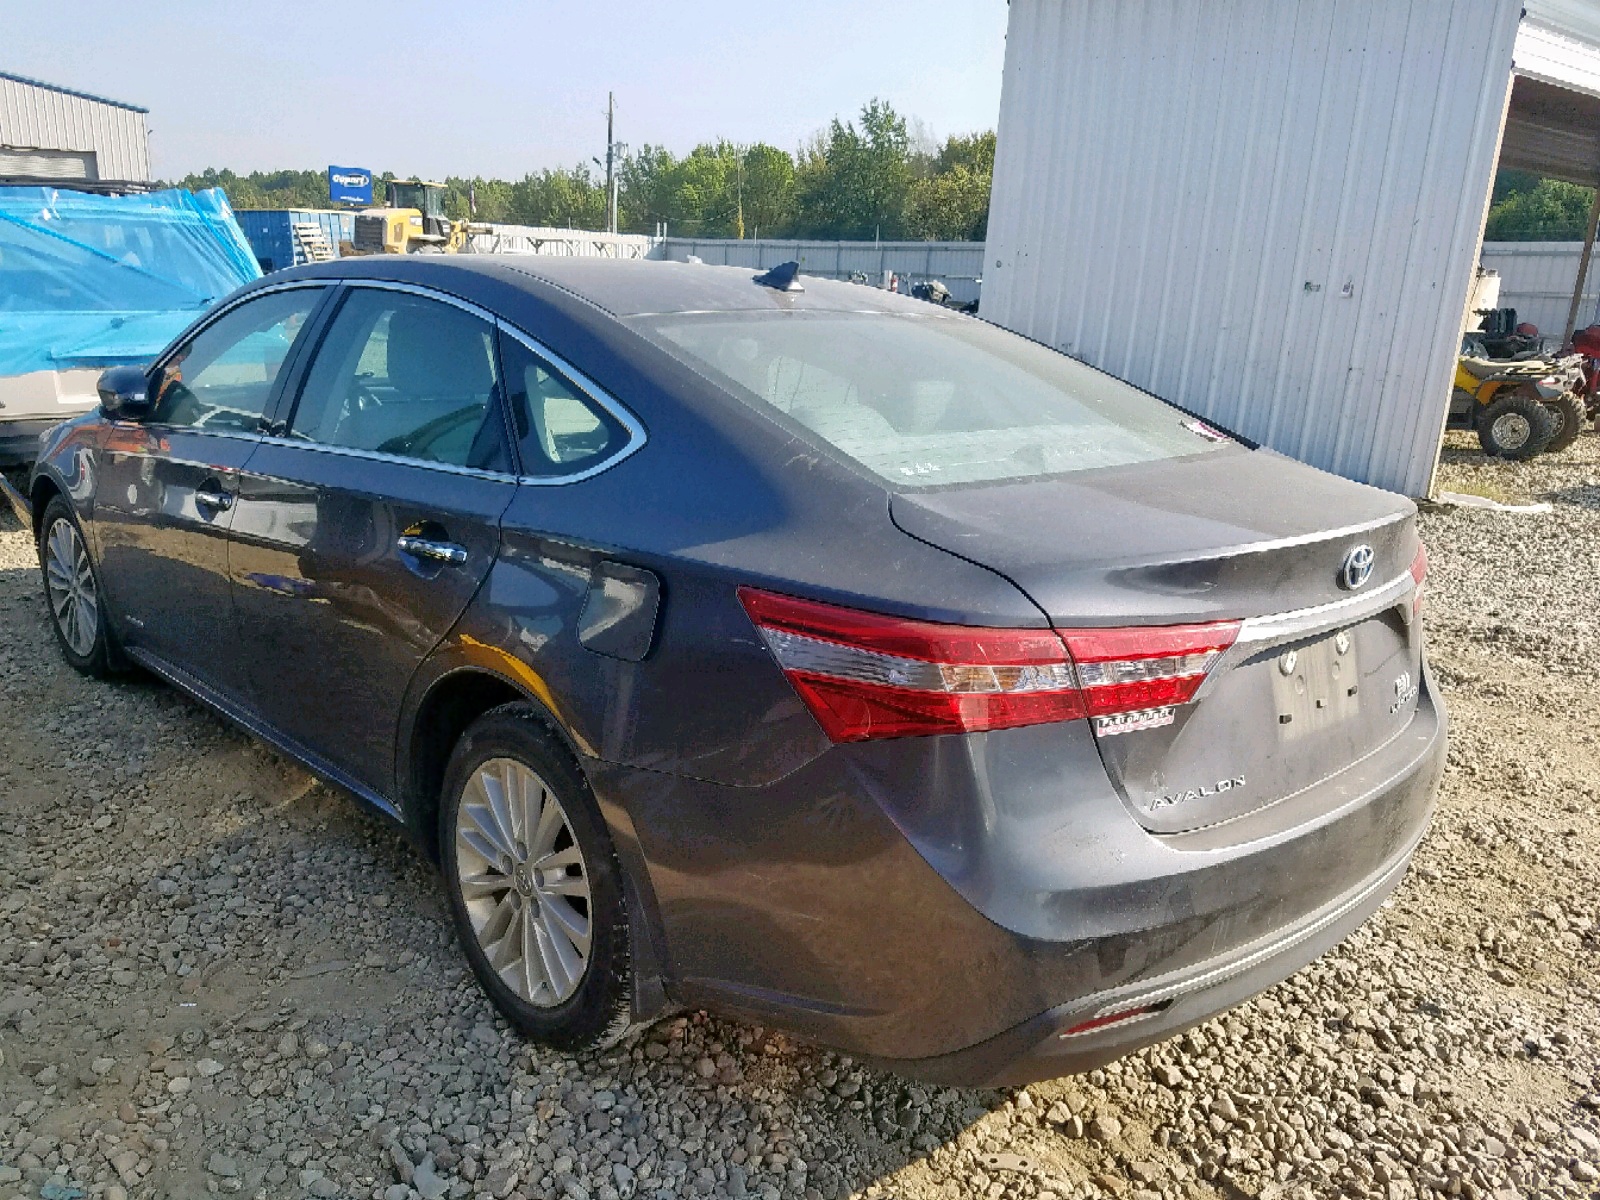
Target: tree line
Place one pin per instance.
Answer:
(1525, 207)
(865, 178)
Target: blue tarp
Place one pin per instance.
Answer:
(90, 281)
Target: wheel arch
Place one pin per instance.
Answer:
(439, 717)
(448, 701)
(43, 490)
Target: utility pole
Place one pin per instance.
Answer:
(738, 228)
(611, 162)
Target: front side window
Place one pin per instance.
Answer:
(559, 430)
(223, 378)
(923, 401)
(404, 375)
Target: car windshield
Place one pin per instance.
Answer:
(923, 401)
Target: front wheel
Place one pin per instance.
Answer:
(1515, 427)
(72, 590)
(1568, 412)
(535, 887)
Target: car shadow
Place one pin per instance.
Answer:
(206, 911)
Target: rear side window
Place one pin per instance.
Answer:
(922, 401)
(559, 430)
(222, 379)
(404, 375)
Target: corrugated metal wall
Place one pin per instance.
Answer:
(958, 265)
(1536, 279)
(1264, 210)
(41, 118)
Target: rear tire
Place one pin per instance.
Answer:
(1569, 414)
(534, 885)
(72, 592)
(1515, 427)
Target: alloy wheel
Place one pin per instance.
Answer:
(524, 882)
(74, 602)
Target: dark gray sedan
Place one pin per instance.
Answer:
(770, 644)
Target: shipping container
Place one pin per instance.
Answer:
(272, 236)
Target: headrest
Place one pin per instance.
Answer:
(436, 352)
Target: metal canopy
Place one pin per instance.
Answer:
(1553, 116)
(1553, 131)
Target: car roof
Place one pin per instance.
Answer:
(635, 287)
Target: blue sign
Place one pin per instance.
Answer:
(350, 185)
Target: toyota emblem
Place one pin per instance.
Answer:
(1357, 567)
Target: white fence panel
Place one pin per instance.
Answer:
(1536, 279)
(565, 243)
(958, 265)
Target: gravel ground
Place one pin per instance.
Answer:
(219, 976)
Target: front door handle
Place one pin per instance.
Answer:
(443, 552)
(215, 501)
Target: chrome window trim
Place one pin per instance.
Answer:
(597, 396)
(380, 456)
(211, 318)
(394, 285)
(194, 331)
(591, 391)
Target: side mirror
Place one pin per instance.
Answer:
(125, 394)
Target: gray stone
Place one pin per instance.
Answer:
(427, 1182)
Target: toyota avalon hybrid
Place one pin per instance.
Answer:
(770, 644)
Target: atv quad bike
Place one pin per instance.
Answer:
(1518, 408)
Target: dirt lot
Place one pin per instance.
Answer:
(217, 975)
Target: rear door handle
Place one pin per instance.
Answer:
(443, 552)
(215, 501)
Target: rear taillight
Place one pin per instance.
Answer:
(865, 675)
(1125, 670)
(1419, 573)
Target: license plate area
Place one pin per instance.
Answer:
(1315, 686)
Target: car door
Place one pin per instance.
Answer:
(165, 495)
(362, 532)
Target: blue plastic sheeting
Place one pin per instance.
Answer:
(98, 280)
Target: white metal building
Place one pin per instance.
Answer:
(54, 134)
(1268, 211)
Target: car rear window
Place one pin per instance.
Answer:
(923, 401)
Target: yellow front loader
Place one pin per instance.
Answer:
(410, 221)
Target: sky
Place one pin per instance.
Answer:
(469, 87)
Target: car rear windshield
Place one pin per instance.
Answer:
(923, 401)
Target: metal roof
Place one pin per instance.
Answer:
(1552, 130)
(66, 91)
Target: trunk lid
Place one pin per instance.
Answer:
(1323, 674)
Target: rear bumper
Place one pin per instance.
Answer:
(1046, 1046)
(19, 439)
(951, 906)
